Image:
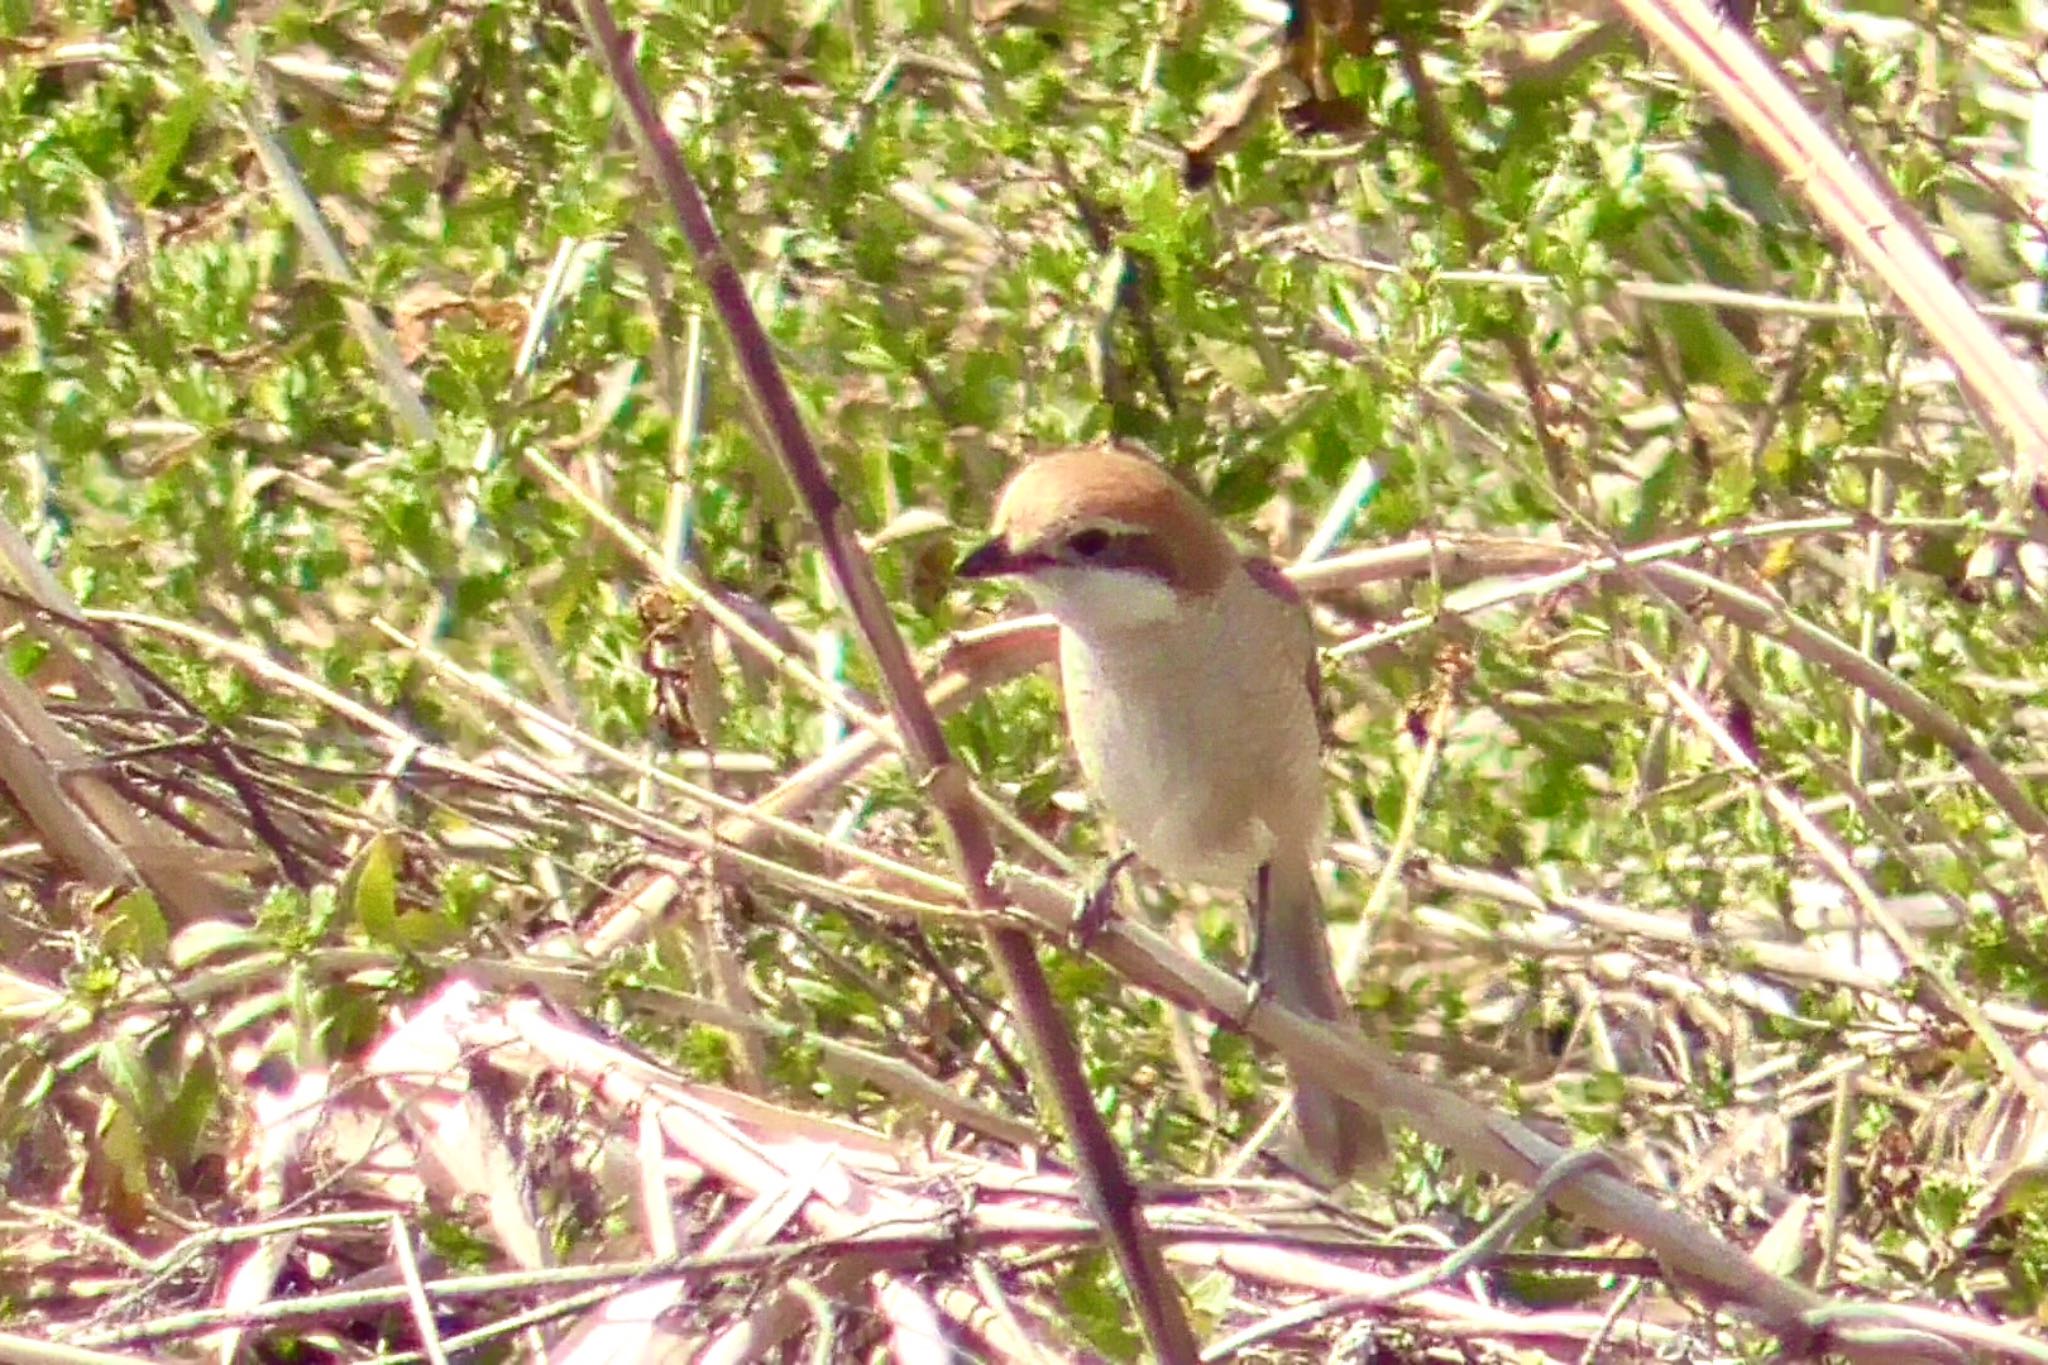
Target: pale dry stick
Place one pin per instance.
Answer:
(1232, 1166)
(990, 1332)
(1196, 1076)
(1005, 818)
(780, 1313)
(1828, 850)
(1537, 567)
(1762, 954)
(1112, 1195)
(1691, 1254)
(1836, 1174)
(1649, 291)
(1900, 1334)
(401, 390)
(679, 501)
(824, 1312)
(2011, 1343)
(1630, 1292)
(887, 1073)
(709, 601)
(521, 1323)
(267, 669)
(94, 671)
(1491, 1240)
(1894, 840)
(1746, 608)
(20, 1350)
(415, 1292)
(1653, 769)
(981, 658)
(657, 1203)
(495, 692)
(1876, 563)
(1863, 211)
(916, 1333)
(85, 823)
(1774, 622)
(1406, 830)
(999, 1305)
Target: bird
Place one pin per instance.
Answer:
(1188, 676)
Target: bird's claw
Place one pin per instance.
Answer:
(1098, 903)
(1255, 995)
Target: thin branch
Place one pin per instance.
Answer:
(1112, 1194)
(401, 390)
(1693, 1255)
(1863, 210)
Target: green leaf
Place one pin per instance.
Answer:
(134, 926)
(208, 938)
(169, 133)
(369, 888)
(182, 1127)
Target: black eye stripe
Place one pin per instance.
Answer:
(1107, 547)
(1089, 543)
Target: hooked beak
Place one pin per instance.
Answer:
(992, 559)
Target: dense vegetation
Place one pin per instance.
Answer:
(358, 396)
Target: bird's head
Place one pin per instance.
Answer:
(1104, 540)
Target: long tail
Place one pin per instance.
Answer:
(1294, 963)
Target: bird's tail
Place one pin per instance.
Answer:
(1294, 965)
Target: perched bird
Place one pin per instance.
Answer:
(1190, 688)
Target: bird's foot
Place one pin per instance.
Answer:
(1255, 928)
(1098, 902)
(1255, 995)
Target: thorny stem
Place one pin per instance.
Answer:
(1111, 1194)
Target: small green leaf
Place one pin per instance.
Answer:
(206, 938)
(369, 889)
(182, 1126)
(131, 1077)
(135, 926)
(167, 136)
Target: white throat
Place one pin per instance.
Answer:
(1097, 602)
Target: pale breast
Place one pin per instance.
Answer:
(1200, 739)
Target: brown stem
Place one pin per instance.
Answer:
(1111, 1195)
(1859, 207)
(1463, 196)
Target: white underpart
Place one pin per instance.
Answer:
(1192, 718)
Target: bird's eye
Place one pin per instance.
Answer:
(1088, 544)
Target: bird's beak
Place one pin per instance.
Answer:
(990, 560)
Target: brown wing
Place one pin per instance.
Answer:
(1273, 579)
